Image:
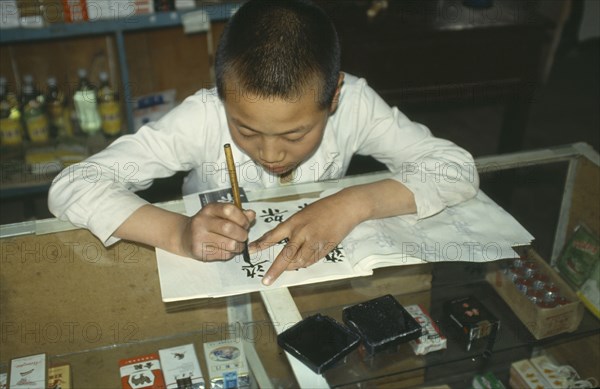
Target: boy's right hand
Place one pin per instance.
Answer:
(217, 232)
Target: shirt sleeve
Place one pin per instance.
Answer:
(438, 172)
(98, 193)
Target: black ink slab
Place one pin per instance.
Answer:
(318, 341)
(381, 323)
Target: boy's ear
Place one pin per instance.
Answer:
(336, 96)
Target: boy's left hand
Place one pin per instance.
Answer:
(312, 232)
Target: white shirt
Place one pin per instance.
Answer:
(98, 193)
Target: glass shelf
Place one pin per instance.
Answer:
(98, 367)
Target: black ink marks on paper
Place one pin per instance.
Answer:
(272, 215)
(336, 255)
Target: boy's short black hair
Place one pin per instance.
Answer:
(277, 48)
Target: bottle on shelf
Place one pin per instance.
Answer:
(86, 105)
(108, 105)
(11, 133)
(28, 82)
(58, 113)
(34, 117)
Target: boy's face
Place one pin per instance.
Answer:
(276, 133)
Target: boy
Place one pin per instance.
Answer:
(291, 116)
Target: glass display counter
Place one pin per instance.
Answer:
(62, 293)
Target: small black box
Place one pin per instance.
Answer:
(471, 320)
(318, 341)
(381, 323)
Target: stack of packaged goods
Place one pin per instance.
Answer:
(543, 372)
(42, 13)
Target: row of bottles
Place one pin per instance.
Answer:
(41, 116)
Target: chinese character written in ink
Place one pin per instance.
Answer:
(254, 270)
(336, 255)
(302, 206)
(271, 215)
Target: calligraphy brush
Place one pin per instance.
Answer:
(235, 189)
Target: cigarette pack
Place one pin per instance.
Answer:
(59, 377)
(471, 320)
(524, 375)
(487, 381)
(142, 372)
(381, 323)
(227, 366)
(431, 338)
(28, 372)
(3, 381)
(181, 368)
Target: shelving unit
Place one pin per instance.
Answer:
(26, 184)
(117, 27)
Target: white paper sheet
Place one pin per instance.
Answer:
(477, 230)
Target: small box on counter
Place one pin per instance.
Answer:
(28, 372)
(142, 372)
(381, 323)
(227, 366)
(524, 375)
(538, 296)
(149, 108)
(431, 338)
(471, 320)
(549, 371)
(181, 368)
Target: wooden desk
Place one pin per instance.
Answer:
(420, 53)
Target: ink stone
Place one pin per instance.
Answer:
(318, 341)
(381, 323)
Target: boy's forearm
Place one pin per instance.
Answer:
(379, 199)
(164, 229)
(155, 227)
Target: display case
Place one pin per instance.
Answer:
(64, 294)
